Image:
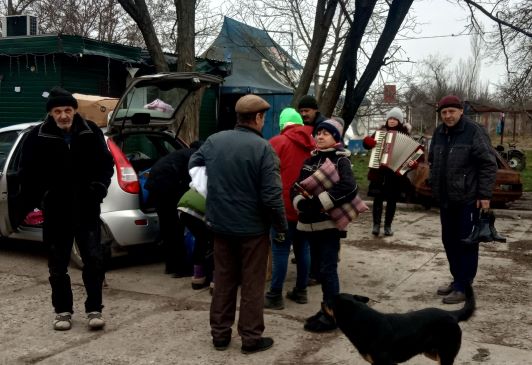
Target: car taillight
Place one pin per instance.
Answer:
(127, 177)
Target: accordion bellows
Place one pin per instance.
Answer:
(322, 180)
(394, 150)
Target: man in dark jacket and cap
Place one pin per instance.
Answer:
(168, 181)
(309, 110)
(244, 199)
(462, 174)
(65, 170)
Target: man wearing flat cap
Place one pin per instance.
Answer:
(462, 174)
(244, 199)
(65, 170)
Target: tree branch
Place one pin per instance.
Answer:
(496, 19)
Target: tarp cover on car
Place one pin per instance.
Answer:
(255, 59)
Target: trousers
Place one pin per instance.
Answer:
(239, 261)
(59, 232)
(457, 223)
(280, 254)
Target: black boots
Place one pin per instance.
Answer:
(494, 234)
(388, 230)
(376, 229)
(323, 321)
(484, 230)
(274, 300)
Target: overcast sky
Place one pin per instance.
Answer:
(440, 20)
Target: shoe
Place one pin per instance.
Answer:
(454, 297)
(293, 260)
(221, 345)
(199, 282)
(445, 289)
(273, 301)
(264, 344)
(298, 295)
(63, 321)
(376, 229)
(388, 231)
(322, 323)
(313, 282)
(313, 317)
(211, 288)
(96, 321)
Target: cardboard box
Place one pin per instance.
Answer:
(95, 108)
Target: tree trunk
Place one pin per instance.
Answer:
(138, 11)
(346, 69)
(186, 62)
(354, 96)
(324, 15)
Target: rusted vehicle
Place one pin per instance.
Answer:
(508, 186)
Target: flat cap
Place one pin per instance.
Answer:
(251, 104)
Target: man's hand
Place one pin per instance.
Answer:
(483, 204)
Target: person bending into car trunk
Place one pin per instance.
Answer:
(168, 181)
(462, 175)
(65, 170)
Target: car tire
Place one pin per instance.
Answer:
(517, 160)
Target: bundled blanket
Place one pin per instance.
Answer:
(322, 180)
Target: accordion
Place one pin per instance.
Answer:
(394, 150)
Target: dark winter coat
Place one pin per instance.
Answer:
(169, 177)
(293, 146)
(244, 191)
(344, 191)
(462, 163)
(384, 182)
(65, 178)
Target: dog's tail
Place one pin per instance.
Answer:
(469, 306)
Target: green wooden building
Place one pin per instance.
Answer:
(32, 65)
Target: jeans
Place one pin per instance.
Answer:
(456, 223)
(280, 253)
(326, 244)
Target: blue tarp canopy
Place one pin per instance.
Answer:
(256, 60)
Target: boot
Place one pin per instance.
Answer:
(496, 236)
(199, 280)
(473, 236)
(388, 230)
(273, 300)
(298, 295)
(484, 234)
(376, 229)
(323, 321)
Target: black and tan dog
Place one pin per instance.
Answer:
(388, 339)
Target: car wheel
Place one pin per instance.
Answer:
(517, 161)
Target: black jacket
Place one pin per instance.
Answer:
(345, 190)
(65, 177)
(169, 177)
(244, 191)
(462, 163)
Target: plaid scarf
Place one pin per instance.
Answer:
(322, 180)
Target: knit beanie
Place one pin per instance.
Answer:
(395, 113)
(289, 115)
(450, 101)
(308, 101)
(333, 127)
(60, 97)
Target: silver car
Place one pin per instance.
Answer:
(140, 131)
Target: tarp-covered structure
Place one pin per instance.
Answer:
(257, 67)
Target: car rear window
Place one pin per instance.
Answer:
(143, 150)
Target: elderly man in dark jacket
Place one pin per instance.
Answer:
(244, 199)
(66, 169)
(462, 174)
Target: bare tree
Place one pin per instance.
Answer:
(138, 10)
